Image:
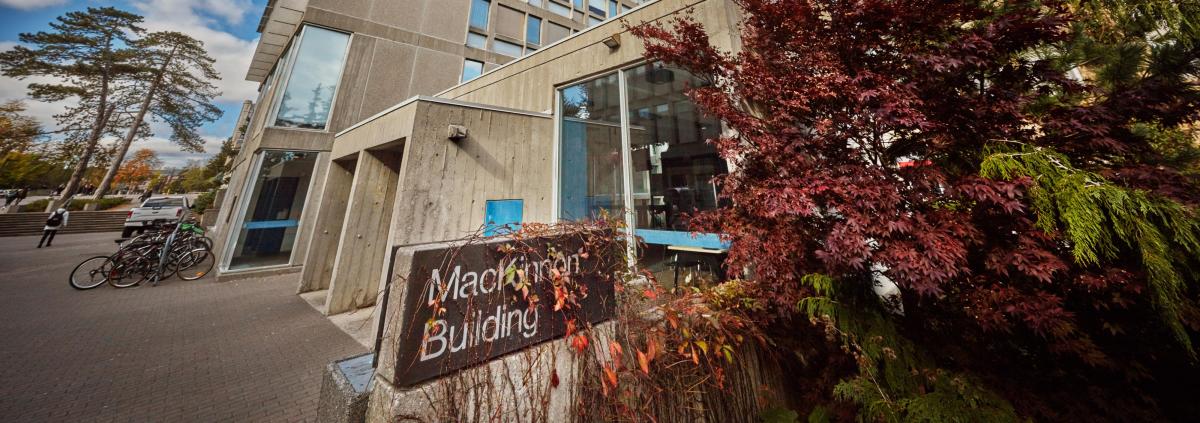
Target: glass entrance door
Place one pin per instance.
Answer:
(273, 207)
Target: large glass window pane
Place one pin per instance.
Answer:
(598, 7)
(579, 5)
(673, 166)
(479, 13)
(471, 69)
(506, 48)
(613, 9)
(537, 3)
(590, 177)
(533, 30)
(476, 40)
(313, 79)
(560, 9)
(272, 219)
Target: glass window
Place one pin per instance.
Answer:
(533, 30)
(471, 69)
(275, 202)
(537, 3)
(506, 48)
(590, 182)
(673, 167)
(477, 40)
(613, 9)
(659, 153)
(597, 7)
(579, 5)
(164, 202)
(313, 79)
(479, 13)
(593, 21)
(625, 8)
(560, 9)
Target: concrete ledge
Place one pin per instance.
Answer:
(257, 273)
(345, 389)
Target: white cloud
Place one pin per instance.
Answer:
(171, 155)
(196, 18)
(31, 4)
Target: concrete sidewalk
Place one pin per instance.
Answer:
(201, 351)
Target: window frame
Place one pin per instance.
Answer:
(487, 16)
(497, 41)
(235, 230)
(463, 73)
(285, 78)
(531, 18)
(626, 147)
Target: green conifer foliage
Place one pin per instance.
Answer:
(1102, 221)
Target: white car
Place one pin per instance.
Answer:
(155, 210)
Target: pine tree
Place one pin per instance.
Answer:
(175, 87)
(87, 52)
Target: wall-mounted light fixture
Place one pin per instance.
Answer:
(613, 41)
(456, 133)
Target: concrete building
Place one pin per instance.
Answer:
(324, 65)
(391, 123)
(565, 133)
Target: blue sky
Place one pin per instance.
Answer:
(227, 27)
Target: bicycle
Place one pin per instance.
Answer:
(157, 254)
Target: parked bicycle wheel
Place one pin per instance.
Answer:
(130, 269)
(196, 264)
(91, 273)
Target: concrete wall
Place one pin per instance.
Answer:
(445, 185)
(438, 191)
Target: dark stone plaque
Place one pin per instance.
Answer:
(485, 314)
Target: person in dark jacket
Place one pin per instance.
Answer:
(56, 221)
(21, 194)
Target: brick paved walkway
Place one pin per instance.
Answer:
(200, 351)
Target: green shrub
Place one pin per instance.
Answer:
(204, 201)
(35, 206)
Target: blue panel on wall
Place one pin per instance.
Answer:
(502, 216)
(573, 172)
(272, 224)
(682, 238)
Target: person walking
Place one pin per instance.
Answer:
(57, 220)
(9, 196)
(21, 194)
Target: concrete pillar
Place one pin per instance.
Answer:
(327, 231)
(362, 252)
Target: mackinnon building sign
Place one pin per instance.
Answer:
(465, 305)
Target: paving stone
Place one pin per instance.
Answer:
(182, 351)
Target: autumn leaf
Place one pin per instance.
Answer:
(579, 342)
(643, 362)
(610, 375)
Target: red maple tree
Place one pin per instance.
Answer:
(1041, 240)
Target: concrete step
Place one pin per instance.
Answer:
(23, 224)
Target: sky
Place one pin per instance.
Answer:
(227, 28)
